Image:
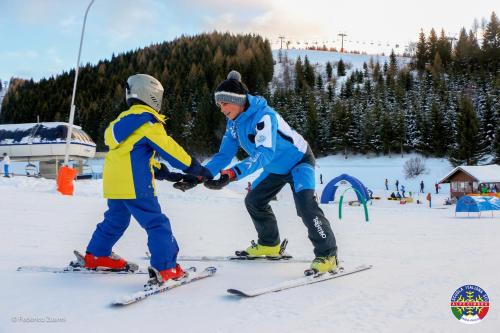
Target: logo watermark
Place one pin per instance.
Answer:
(37, 319)
(470, 304)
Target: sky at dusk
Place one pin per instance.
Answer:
(40, 38)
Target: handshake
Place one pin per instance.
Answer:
(186, 181)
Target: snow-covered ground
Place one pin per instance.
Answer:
(421, 255)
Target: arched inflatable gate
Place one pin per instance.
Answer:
(328, 193)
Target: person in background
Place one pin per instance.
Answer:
(6, 164)
(437, 188)
(386, 185)
(422, 186)
(397, 185)
(403, 190)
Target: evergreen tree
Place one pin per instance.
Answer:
(421, 52)
(488, 125)
(311, 130)
(308, 73)
(392, 69)
(366, 74)
(319, 83)
(466, 51)
(444, 49)
(438, 138)
(432, 45)
(299, 75)
(491, 44)
(466, 150)
(496, 145)
(341, 68)
(323, 126)
(329, 70)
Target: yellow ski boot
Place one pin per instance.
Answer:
(321, 265)
(256, 251)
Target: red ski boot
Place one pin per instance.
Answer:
(112, 262)
(159, 277)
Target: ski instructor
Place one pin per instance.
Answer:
(284, 156)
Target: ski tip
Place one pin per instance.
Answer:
(120, 302)
(237, 292)
(211, 270)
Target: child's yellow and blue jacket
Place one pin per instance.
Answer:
(133, 138)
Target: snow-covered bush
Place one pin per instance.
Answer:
(414, 167)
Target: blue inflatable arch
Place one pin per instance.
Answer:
(328, 193)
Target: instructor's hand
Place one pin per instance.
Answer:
(226, 176)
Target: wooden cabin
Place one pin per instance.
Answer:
(472, 179)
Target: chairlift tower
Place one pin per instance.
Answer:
(342, 35)
(281, 42)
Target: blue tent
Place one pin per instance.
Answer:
(467, 204)
(330, 188)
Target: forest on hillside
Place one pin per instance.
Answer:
(444, 103)
(189, 69)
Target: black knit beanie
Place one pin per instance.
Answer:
(232, 90)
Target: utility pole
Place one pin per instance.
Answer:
(342, 35)
(281, 41)
(72, 109)
(451, 39)
(66, 174)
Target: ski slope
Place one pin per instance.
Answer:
(420, 255)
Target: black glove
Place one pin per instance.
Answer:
(188, 182)
(226, 176)
(198, 170)
(164, 174)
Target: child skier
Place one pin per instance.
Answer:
(128, 181)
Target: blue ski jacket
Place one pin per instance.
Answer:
(269, 141)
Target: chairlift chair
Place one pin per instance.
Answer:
(31, 170)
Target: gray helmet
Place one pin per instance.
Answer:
(144, 88)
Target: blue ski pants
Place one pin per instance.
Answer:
(147, 211)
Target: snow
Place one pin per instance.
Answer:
(421, 255)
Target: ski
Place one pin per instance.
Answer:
(281, 258)
(192, 276)
(71, 269)
(302, 281)
(78, 266)
(243, 256)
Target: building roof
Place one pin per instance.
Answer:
(481, 173)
